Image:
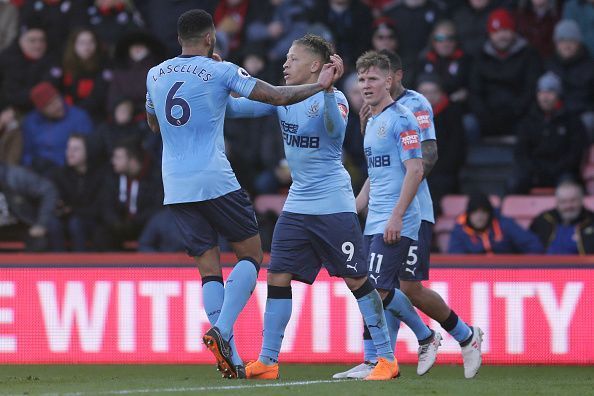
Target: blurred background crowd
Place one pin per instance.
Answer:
(511, 84)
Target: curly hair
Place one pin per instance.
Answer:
(317, 45)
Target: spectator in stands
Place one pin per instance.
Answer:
(551, 141)
(384, 35)
(79, 187)
(161, 18)
(112, 19)
(568, 228)
(349, 22)
(503, 77)
(482, 230)
(445, 59)
(9, 22)
(575, 67)
(536, 20)
(275, 25)
(130, 197)
(27, 202)
(161, 234)
(471, 24)
(134, 55)
(274, 181)
(451, 145)
(582, 11)
(58, 17)
(229, 19)
(11, 137)
(24, 64)
(47, 128)
(121, 125)
(85, 78)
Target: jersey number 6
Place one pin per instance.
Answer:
(171, 102)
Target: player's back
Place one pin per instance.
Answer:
(423, 112)
(189, 95)
(391, 138)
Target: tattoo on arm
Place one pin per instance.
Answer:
(429, 148)
(282, 96)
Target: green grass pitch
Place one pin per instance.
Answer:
(310, 380)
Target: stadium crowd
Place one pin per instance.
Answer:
(80, 170)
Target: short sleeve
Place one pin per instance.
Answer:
(237, 79)
(408, 139)
(424, 115)
(149, 105)
(343, 104)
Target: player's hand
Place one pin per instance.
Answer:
(216, 57)
(338, 63)
(364, 115)
(393, 229)
(326, 77)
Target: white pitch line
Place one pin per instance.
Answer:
(199, 388)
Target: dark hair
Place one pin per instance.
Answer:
(317, 45)
(394, 58)
(72, 63)
(373, 59)
(478, 201)
(194, 23)
(132, 147)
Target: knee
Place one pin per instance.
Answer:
(279, 279)
(355, 283)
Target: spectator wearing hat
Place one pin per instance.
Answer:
(550, 142)
(569, 227)
(471, 23)
(23, 65)
(503, 77)
(536, 20)
(575, 67)
(47, 128)
(582, 11)
(482, 230)
(451, 144)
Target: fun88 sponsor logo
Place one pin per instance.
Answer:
(292, 139)
(376, 161)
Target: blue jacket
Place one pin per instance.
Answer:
(504, 235)
(45, 139)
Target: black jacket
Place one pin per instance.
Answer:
(577, 75)
(545, 228)
(81, 193)
(550, 147)
(31, 198)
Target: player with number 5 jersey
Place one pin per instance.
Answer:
(185, 102)
(318, 226)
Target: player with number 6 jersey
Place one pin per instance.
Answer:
(185, 102)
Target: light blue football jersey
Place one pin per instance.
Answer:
(321, 184)
(188, 94)
(391, 137)
(421, 108)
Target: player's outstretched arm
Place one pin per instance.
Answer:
(245, 108)
(283, 96)
(362, 200)
(412, 179)
(429, 148)
(153, 123)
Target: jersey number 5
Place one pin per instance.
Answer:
(171, 102)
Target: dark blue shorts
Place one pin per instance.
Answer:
(231, 215)
(416, 265)
(385, 262)
(302, 244)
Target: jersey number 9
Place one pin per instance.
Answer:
(171, 102)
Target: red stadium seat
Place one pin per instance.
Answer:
(524, 208)
(265, 203)
(454, 205)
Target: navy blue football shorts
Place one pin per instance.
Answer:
(302, 244)
(231, 215)
(385, 262)
(416, 265)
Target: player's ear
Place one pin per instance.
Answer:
(316, 66)
(398, 74)
(179, 41)
(388, 82)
